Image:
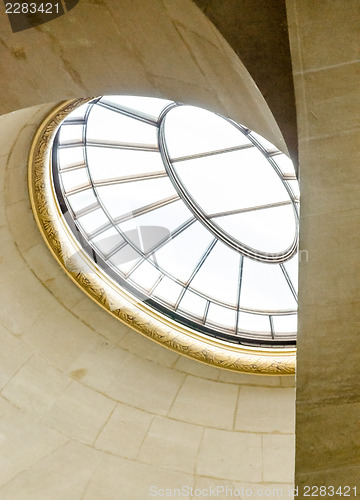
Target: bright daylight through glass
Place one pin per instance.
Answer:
(188, 211)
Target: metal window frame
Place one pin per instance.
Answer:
(237, 357)
(239, 334)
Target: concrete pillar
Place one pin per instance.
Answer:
(324, 37)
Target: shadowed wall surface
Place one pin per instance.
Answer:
(258, 33)
(326, 55)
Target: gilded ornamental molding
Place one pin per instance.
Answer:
(109, 295)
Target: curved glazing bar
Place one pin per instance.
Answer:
(115, 246)
(168, 198)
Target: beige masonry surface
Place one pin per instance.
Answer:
(160, 48)
(92, 410)
(325, 50)
(89, 409)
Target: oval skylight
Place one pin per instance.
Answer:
(187, 211)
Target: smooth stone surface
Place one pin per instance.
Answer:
(84, 399)
(326, 54)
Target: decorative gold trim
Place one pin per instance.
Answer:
(108, 294)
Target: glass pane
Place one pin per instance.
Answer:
(285, 324)
(150, 106)
(254, 322)
(218, 277)
(180, 255)
(125, 259)
(94, 221)
(168, 291)
(110, 126)
(120, 199)
(75, 179)
(107, 241)
(268, 230)
(71, 133)
(264, 287)
(285, 164)
(70, 157)
(78, 113)
(193, 304)
(234, 191)
(221, 316)
(264, 142)
(84, 199)
(108, 163)
(190, 130)
(152, 228)
(231, 181)
(144, 237)
(145, 275)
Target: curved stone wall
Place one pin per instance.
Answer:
(160, 48)
(92, 410)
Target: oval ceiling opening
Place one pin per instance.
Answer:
(190, 214)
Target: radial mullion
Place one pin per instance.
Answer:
(171, 236)
(85, 211)
(157, 282)
(76, 121)
(100, 230)
(289, 282)
(271, 154)
(69, 144)
(136, 265)
(106, 212)
(129, 112)
(241, 267)
(268, 153)
(164, 272)
(112, 222)
(212, 153)
(145, 209)
(115, 250)
(125, 145)
(201, 261)
(129, 178)
(77, 166)
(250, 209)
(206, 312)
(78, 189)
(112, 244)
(272, 327)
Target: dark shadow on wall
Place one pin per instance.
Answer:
(258, 33)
